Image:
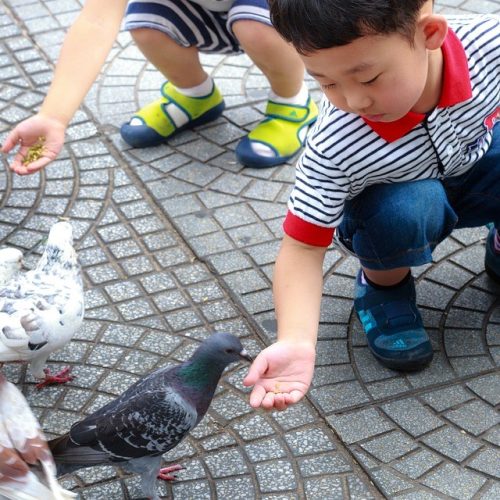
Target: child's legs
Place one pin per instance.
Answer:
(171, 32)
(278, 60)
(392, 227)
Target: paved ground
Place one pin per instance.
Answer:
(179, 241)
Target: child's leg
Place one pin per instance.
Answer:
(178, 64)
(475, 197)
(290, 110)
(278, 60)
(392, 227)
(170, 33)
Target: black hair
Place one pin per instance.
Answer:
(312, 25)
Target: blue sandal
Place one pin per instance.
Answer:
(154, 123)
(283, 131)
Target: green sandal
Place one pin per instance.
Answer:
(283, 131)
(157, 120)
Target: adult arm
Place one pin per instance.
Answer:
(83, 53)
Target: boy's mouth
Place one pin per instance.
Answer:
(374, 118)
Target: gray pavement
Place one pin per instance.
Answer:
(179, 240)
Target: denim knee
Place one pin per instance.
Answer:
(397, 225)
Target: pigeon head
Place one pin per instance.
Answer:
(11, 260)
(60, 235)
(222, 349)
(204, 368)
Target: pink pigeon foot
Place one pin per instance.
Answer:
(165, 475)
(59, 378)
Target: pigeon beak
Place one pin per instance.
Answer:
(244, 355)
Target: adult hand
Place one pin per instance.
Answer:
(39, 129)
(281, 374)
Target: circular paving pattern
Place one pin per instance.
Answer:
(179, 241)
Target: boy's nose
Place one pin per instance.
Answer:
(358, 102)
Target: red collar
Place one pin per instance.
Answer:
(456, 88)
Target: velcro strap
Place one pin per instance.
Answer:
(291, 113)
(399, 313)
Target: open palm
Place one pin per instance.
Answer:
(281, 375)
(30, 132)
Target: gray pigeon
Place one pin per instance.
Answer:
(42, 309)
(150, 417)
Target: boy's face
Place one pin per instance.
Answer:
(381, 78)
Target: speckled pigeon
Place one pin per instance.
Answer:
(150, 417)
(27, 470)
(42, 309)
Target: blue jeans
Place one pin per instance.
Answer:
(399, 225)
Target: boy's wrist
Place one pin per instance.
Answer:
(298, 337)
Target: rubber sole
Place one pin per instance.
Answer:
(408, 366)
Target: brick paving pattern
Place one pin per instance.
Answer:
(179, 240)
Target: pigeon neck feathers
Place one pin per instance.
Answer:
(201, 372)
(57, 257)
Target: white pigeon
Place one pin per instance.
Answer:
(27, 470)
(11, 261)
(42, 309)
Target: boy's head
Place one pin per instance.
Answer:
(374, 58)
(310, 25)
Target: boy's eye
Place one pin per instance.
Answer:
(370, 81)
(328, 86)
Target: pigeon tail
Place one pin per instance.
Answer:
(70, 457)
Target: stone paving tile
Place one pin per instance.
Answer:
(180, 240)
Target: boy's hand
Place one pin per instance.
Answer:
(47, 134)
(281, 374)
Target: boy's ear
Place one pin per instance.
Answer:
(434, 29)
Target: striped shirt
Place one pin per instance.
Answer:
(345, 153)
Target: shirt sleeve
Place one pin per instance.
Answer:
(308, 233)
(316, 203)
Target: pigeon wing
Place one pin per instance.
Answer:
(149, 423)
(31, 319)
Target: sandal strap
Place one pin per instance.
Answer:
(289, 112)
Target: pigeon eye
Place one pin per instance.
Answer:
(228, 351)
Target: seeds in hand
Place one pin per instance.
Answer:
(35, 152)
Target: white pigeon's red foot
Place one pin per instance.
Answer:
(59, 378)
(165, 475)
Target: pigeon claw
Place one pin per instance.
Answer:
(59, 378)
(165, 475)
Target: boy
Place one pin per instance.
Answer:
(170, 33)
(404, 151)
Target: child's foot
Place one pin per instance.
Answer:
(492, 255)
(279, 136)
(393, 324)
(173, 112)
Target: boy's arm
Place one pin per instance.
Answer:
(83, 53)
(282, 373)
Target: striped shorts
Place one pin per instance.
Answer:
(189, 24)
